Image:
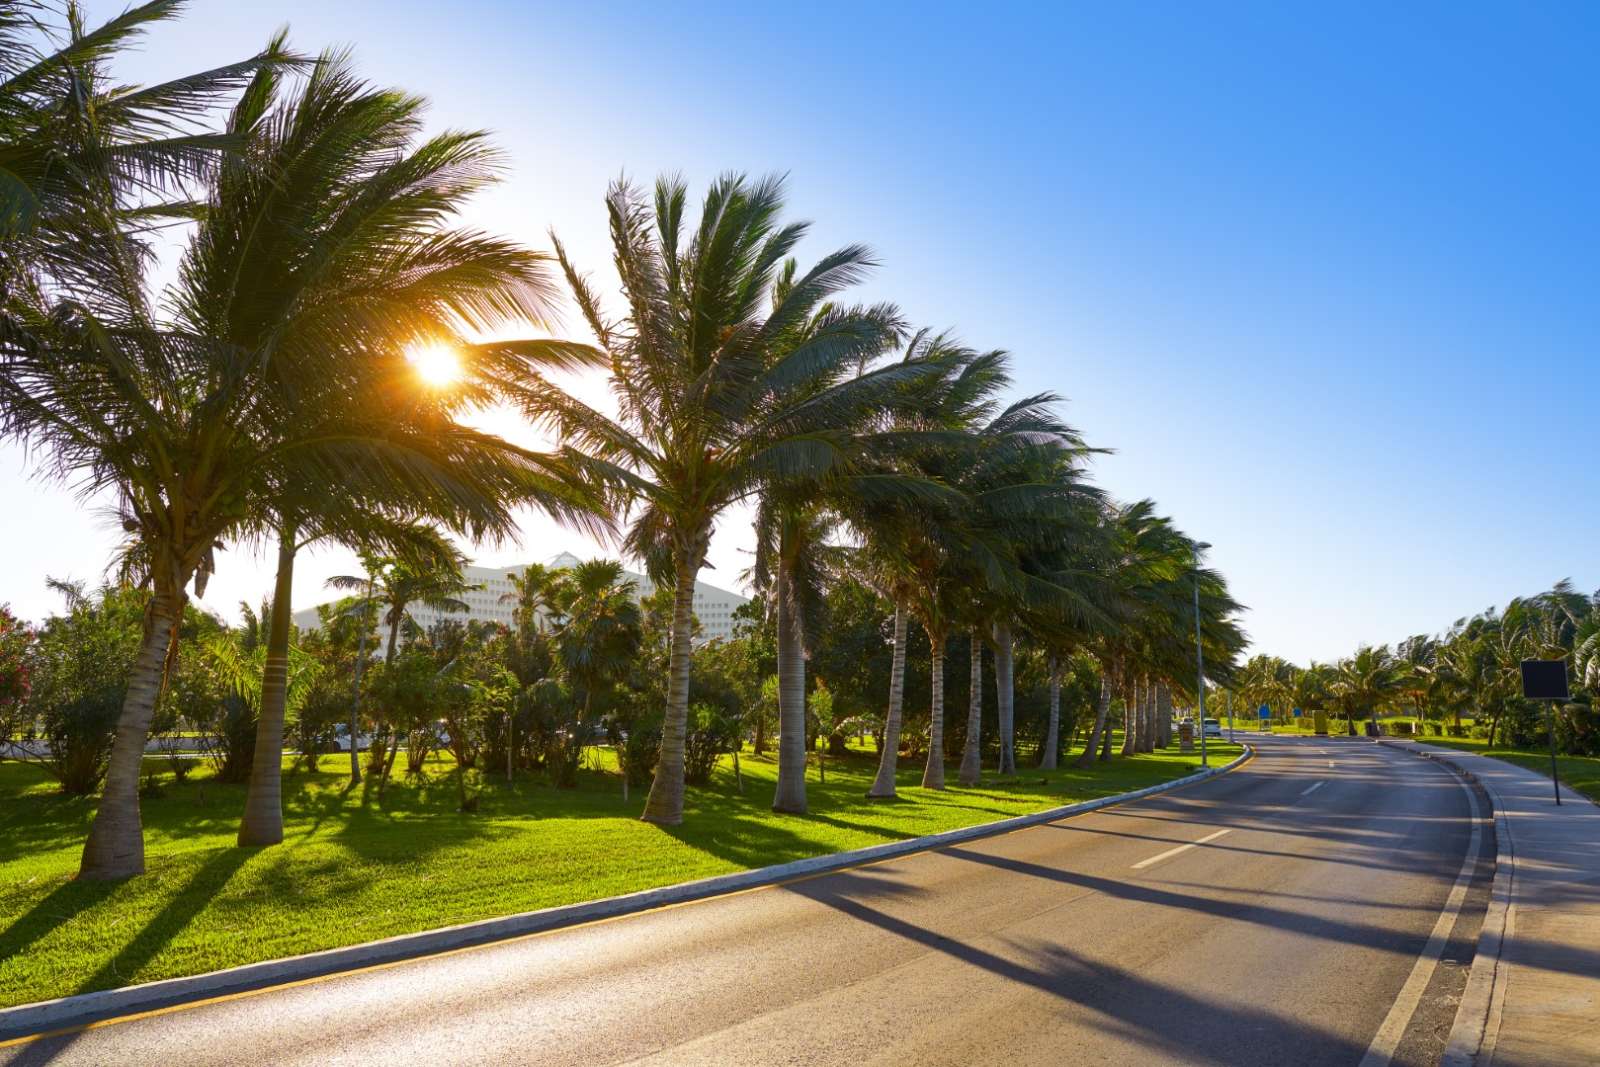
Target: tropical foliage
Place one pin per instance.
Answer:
(286, 388)
(1471, 671)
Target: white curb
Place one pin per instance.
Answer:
(1476, 1029)
(29, 1019)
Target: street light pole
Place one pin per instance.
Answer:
(1199, 656)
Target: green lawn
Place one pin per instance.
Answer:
(351, 870)
(1580, 772)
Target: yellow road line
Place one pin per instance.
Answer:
(365, 968)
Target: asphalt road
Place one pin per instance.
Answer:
(1275, 915)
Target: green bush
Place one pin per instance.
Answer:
(711, 733)
(638, 745)
(78, 670)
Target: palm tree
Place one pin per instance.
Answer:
(1370, 679)
(1013, 473)
(796, 519)
(89, 167)
(395, 585)
(329, 232)
(707, 413)
(599, 632)
(792, 559)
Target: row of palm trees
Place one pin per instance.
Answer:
(1473, 668)
(269, 394)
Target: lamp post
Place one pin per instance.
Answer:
(1199, 654)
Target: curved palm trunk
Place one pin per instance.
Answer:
(933, 773)
(263, 800)
(1102, 708)
(889, 759)
(665, 803)
(972, 751)
(115, 847)
(791, 792)
(1004, 697)
(1052, 736)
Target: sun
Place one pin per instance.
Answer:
(436, 364)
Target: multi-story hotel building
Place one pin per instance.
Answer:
(494, 600)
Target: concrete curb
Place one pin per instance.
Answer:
(27, 1020)
(1476, 1029)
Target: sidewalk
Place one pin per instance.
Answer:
(1542, 999)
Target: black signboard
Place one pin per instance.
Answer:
(1545, 679)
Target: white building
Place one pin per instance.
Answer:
(495, 600)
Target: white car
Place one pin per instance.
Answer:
(1213, 728)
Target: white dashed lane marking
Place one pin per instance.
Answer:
(1169, 853)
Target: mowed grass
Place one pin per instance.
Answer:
(1580, 772)
(351, 869)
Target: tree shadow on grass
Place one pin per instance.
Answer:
(202, 887)
(57, 908)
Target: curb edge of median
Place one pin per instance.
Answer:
(29, 1021)
(1473, 1037)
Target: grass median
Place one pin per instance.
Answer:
(351, 869)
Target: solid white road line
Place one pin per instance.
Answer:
(1181, 848)
(1383, 1046)
(1313, 787)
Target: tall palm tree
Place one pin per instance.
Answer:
(792, 560)
(706, 414)
(329, 232)
(193, 428)
(965, 561)
(796, 519)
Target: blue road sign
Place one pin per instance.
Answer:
(1297, 713)
(1264, 712)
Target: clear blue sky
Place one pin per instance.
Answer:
(1326, 279)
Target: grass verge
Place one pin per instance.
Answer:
(1579, 772)
(352, 870)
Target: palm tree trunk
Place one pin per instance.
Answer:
(665, 803)
(355, 700)
(1052, 736)
(1102, 708)
(1105, 741)
(889, 758)
(933, 773)
(378, 748)
(115, 847)
(1150, 736)
(1163, 713)
(1005, 696)
(972, 750)
(791, 792)
(262, 823)
(1132, 712)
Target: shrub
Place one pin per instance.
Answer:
(711, 733)
(78, 673)
(79, 733)
(638, 745)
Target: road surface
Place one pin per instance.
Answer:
(1281, 914)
